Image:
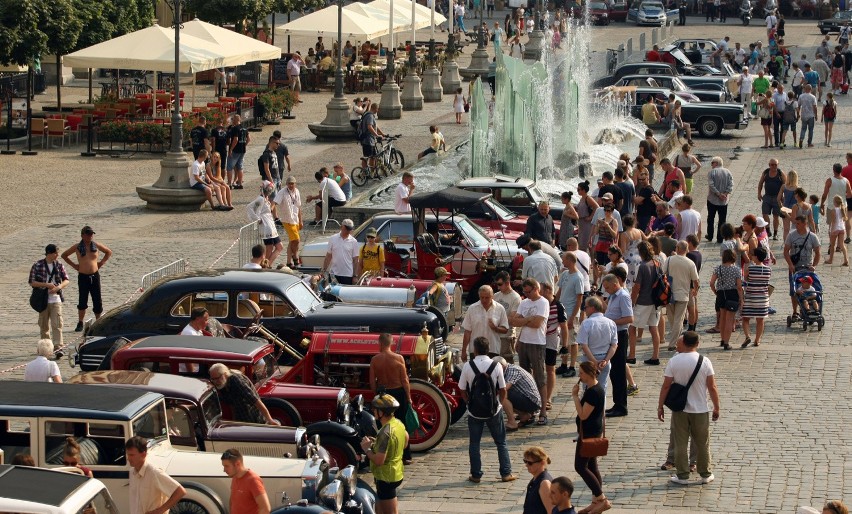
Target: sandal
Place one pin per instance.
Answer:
(542, 420)
(525, 423)
(712, 330)
(746, 342)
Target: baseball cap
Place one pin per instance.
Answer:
(806, 280)
(49, 249)
(440, 272)
(87, 230)
(371, 232)
(761, 223)
(607, 196)
(348, 224)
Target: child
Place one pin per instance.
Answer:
(808, 295)
(814, 199)
(837, 217)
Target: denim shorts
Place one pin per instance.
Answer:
(199, 186)
(235, 161)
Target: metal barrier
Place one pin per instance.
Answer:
(249, 236)
(168, 270)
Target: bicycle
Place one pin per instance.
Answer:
(611, 60)
(386, 161)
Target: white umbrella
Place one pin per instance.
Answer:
(323, 23)
(402, 9)
(401, 20)
(240, 49)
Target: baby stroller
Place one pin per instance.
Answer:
(807, 316)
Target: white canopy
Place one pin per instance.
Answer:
(323, 23)
(240, 49)
(152, 48)
(402, 12)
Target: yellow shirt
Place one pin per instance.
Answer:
(649, 113)
(437, 139)
(372, 258)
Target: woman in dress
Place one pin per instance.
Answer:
(586, 208)
(837, 229)
(590, 419)
(569, 220)
(537, 498)
(727, 284)
(629, 241)
(458, 105)
(756, 295)
(803, 208)
(787, 197)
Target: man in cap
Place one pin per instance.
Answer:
(336, 196)
(607, 199)
(88, 272)
(49, 273)
(288, 202)
(342, 255)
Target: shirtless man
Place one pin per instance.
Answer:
(88, 276)
(388, 372)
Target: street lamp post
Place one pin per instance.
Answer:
(177, 119)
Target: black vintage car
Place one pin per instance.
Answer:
(285, 305)
(834, 23)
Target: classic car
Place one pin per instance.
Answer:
(521, 195)
(677, 85)
(197, 421)
(291, 404)
(284, 304)
(707, 117)
(834, 23)
(36, 418)
(27, 489)
(258, 361)
(650, 12)
(697, 50)
(598, 12)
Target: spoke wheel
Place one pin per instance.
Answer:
(359, 176)
(434, 413)
(397, 159)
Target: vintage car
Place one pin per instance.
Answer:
(284, 304)
(833, 24)
(324, 363)
(697, 50)
(598, 12)
(36, 418)
(291, 404)
(650, 12)
(706, 117)
(677, 85)
(26, 489)
(196, 421)
(521, 195)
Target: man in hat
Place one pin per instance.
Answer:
(342, 255)
(50, 273)
(288, 204)
(88, 272)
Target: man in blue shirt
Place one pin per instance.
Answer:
(597, 337)
(620, 310)
(811, 77)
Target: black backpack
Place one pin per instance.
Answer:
(482, 395)
(662, 289)
(362, 133)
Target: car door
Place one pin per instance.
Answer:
(216, 303)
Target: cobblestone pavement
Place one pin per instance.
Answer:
(781, 440)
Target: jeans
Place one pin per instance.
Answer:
(712, 210)
(498, 432)
(696, 426)
(460, 24)
(619, 372)
(604, 373)
(777, 128)
(807, 125)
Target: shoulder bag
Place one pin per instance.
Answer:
(38, 298)
(594, 446)
(677, 395)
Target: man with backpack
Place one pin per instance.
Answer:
(367, 133)
(483, 387)
(645, 313)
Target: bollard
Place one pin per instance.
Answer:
(621, 57)
(655, 35)
(629, 48)
(88, 152)
(642, 42)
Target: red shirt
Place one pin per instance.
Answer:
(847, 172)
(652, 56)
(243, 493)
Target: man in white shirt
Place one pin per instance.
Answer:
(198, 319)
(342, 255)
(694, 421)
(688, 219)
(336, 196)
(745, 83)
(41, 369)
(150, 489)
(531, 318)
(288, 204)
(539, 265)
(684, 277)
(198, 180)
(485, 318)
(510, 300)
(403, 194)
(584, 264)
(739, 54)
(257, 253)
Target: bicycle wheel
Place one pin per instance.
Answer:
(359, 176)
(397, 159)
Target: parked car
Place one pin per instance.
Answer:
(618, 10)
(598, 12)
(36, 418)
(692, 81)
(677, 85)
(697, 50)
(197, 421)
(706, 117)
(521, 195)
(650, 12)
(26, 489)
(284, 304)
(834, 23)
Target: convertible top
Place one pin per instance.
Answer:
(449, 198)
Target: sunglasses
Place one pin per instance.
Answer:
(531, 462)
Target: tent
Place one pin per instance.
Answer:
(323, 23)
(239, 49)
(402, 10)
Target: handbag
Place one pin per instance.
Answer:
(677, 395)
(603, 246)
(38, 298)
(411, 421)
(593, 446)
(732, 305)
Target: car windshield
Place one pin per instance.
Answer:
(651, 5)
(678, 85)
(211, 408)
(536, 194)
(302, 298)
(501, 209)
(598, 5)
(151, 424)
(473, 233)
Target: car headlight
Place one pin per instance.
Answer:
(314, 475)
(343, 407)
(349, 478)
(331, 496)
(357, 405)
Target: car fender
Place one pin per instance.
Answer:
(202, 495)
(334, 428)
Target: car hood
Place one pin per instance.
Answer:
(250, 432)
(342, 317)
(650, 10)
(103, 326)
(197, 464)
(298, 391)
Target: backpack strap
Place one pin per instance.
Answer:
(473, 367)
(695, 372)
(491, 368)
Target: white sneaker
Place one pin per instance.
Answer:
(680, 481)
(707, 480)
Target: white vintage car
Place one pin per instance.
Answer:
(33, 490)
(36, 418)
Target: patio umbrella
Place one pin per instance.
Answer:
(323, 23)
(402, 11)
(239, 49)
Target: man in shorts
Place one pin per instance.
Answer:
(645, 313)
(531, 318)
(238, 139)
(368, 142)
(288, 203)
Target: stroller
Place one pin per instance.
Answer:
(807, 317)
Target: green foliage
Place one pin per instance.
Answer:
(62, 25)
(107, 20)
(221, 12)
(122, 131)
(20, 38)
(286, 6)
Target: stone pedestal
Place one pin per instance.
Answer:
(390, 108)
(478, 65)
(171, 192)
(450, 79)
(412, 97)
(431, 87)
(336, 123)
(534, 46)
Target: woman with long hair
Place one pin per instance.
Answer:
(586, 208)
(71, 456)
(787, 197)
(829, 113)
(837, 217)
(590, 418)
(765, 111)
(214, 171)
(628, 242)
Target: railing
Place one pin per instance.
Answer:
(249, 236)
(168, 270)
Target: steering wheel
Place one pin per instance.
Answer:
(254, 326)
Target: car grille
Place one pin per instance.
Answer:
(91, 361)
(265, 450)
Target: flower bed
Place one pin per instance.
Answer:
(134, 132)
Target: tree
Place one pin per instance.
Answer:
(62, 25)
(238, 12)
(21, 41)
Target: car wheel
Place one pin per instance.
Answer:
(824, 32)
(710, 127)
(434, 413)
(283, 411)
(188, 507)
(342, 452)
